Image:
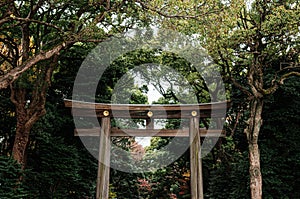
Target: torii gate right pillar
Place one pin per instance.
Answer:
(195, 159)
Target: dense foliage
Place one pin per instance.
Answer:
(58, 165)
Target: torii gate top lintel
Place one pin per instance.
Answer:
(203, 110)
(83, 104)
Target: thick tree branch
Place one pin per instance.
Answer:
(13, 94)
(239, 86)
(237, 119)
(4, 20)
(275, 86)
(35, 21)
(285, 76)
(12, 75)
(252, 82)
(17, 97)
(41, 86)
(226, 70)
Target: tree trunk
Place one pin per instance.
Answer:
(29, 110)
(252, 131)
(26, 117)
(21, 143)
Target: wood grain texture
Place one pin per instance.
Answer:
(102, 191)
(116, 132)
(145, 107)
(195, 160)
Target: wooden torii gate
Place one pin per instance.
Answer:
(193, 112)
